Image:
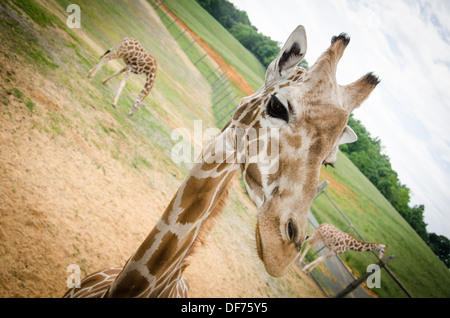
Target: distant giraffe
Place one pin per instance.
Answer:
(137, 61)
(337, 242)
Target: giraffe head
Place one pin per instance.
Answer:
(381, 249)
(297, 119)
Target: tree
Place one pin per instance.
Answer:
(440, 246)
(416, 219)
(238, 24)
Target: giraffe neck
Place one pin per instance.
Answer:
(157, 265)
(145, 91)
(360, 246)
(147, 87)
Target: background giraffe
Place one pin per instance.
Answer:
(337, 242)
(279, 136)
(137, 61)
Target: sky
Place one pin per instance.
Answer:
(407, 44)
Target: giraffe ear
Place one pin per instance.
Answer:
(348, 136)
(290, 55)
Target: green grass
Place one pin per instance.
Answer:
(24, 39)
(415, 265)
(30, 104)
(186, 43)
(18, 93)
(57, 122)
(138, 162)
(213, 33)
(36, 12)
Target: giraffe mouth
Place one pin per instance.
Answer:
(259, 247)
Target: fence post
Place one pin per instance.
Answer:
(224, 96)
(160, 3)
(213, 72)
(189, 46)
(200, 58)
(219, 79)
(352, 286)
(217, 94)
(172, 23)
(166, 13)
(321, 187)
(179, 35)
(216, 88)
(226, 115)
(398, 283)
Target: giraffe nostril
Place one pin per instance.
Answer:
(291, 231)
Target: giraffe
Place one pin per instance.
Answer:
(337, 242)
(279, 137)
(137, 61)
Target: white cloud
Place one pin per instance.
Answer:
(407, 43)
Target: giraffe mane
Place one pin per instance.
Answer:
(105, 53)
(207, 226)
(366, 243)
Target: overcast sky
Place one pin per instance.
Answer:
(407, 44)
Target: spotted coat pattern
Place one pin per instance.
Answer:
(337, 242)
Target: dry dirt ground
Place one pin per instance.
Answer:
(64, 199)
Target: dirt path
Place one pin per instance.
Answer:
(233, 75)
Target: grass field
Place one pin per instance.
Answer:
(415, 265)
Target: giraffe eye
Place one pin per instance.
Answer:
(276, 109)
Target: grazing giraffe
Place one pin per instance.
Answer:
(137, 61)
(279, 136)
(337, 242)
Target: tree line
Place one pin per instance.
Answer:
(238, 24)
(366, 153)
